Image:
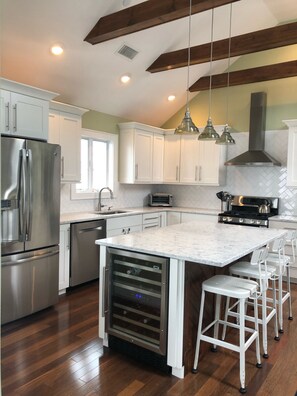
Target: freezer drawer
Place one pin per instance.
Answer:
(29, 282)
(84, 253)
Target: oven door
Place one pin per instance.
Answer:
(136, 296)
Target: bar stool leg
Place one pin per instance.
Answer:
(280, 302)
(226, 317)
(195, 366)
(256, 316)
(241, 345)
(217, 317)
(289, 291)
(276, 337)
(264, 320)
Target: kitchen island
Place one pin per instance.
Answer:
(197, 251)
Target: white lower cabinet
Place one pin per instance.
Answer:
(173, 218)
(123, 225)
(186, 217)
(153, 220)
(64, 257)
(288, 248)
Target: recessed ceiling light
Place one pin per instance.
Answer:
(171, 98)
(56, 49)
(125, 78)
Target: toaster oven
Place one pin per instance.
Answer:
(160, 199)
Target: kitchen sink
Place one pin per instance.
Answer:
(109, 212)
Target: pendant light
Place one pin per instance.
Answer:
(187, 127)
(209, 132)
(226, 137)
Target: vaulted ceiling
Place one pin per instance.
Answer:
(88, 75)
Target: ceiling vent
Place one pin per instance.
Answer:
(127, 52)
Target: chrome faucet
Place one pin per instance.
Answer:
(100, 206)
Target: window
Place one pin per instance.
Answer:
(98, 164)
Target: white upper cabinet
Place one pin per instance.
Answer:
(65, 129)
(292, 153)
(190, 161)
(171, 158)
(141, 153)
(24, 110)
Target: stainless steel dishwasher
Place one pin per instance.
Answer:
(84, 253)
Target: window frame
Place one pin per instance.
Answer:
(112, 139)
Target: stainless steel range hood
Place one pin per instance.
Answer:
(256, 156)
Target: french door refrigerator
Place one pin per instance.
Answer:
(30, 216)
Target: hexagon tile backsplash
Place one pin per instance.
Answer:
(259, 181)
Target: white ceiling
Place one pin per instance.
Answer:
(89, 76)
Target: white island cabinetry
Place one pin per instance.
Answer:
(65, 129)
(24, 110)
(141, 153)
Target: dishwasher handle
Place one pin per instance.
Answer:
(100, 228)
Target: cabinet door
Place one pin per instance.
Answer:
(158, 156)
(189, 159)
(143, 156)
(54, 127)
(29, 116)
(292, 157)
(209, 163)
(173, 218)
(64, 257)
(171, 158)
(70, 126)
(5, 111)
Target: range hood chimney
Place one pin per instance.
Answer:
(256, 156)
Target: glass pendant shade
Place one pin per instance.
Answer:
(209, 133)
(226, 137)
(187, 126)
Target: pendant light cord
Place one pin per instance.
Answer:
(228, 72)
(189, 55)
(210, 63)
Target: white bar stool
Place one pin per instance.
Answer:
(282, 263)
(242, 290)
(262, 274)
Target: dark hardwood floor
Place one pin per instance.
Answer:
(57, 352)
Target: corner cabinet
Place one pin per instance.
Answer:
(24, 110)
(65, 129)
(292, 153)
(141, 153)
(190, 161)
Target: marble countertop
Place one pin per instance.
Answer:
(288, 218)
(85, 216)
(202, 242)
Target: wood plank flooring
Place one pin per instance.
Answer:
(57, 352)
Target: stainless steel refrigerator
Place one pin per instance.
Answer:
(30, 216)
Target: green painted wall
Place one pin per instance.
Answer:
(101, 122)
(281, 96)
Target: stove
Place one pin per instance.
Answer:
(247, 210)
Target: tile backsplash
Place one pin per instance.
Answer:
(259, 181)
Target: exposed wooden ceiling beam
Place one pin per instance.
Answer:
(146, 15)
(248, 76)
(260, 40)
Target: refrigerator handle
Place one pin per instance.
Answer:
(22, 195)
(29, 197)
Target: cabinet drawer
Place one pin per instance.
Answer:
(124, 221)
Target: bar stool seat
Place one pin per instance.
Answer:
(262, 274)
(240, 289)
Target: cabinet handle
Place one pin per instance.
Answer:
(15, 117)
(136, 171)
(176, 173)
(7, 114)
(62, 170)
(196, 173)
(68, 239)
(199, 173)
